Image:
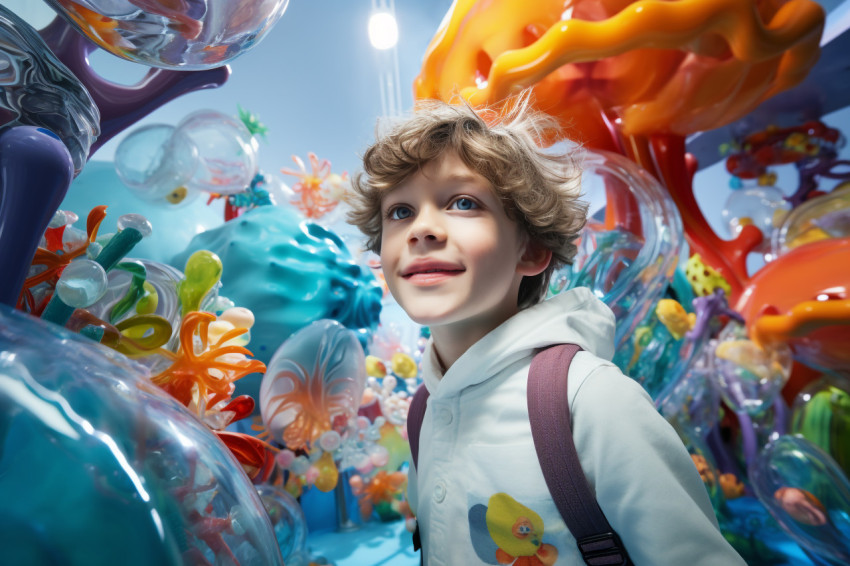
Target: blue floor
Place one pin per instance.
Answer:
(373, 544)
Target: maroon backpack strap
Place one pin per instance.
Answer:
(549, 413)
(415, 416)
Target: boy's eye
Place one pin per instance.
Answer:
(400, 213)
(464, 203)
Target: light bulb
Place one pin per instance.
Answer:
(383, 30)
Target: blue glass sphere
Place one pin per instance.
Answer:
(100, 467)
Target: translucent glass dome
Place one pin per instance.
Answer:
(201, 34)
(99, 467)
(631, 244)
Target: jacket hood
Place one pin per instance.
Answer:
(575, 316)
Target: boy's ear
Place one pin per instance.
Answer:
(534, 260)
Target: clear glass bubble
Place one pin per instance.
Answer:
(631, 244)
(185, 35)
(749, 377)
(136, 221)
(821, 218)
(156, 162)
(763, 207)
(300, 465)
(62, 218)
(807, 493)
(694, 401)
(378, 455)
(285, 458)
(323, 357)
(227, 152)
(82, 283)
(329, 441)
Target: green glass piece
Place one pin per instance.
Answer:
(142, 334)
(821, 414)
(134, 292)
(56, 311)
(119, 246)
(202, 272)
(149, 300)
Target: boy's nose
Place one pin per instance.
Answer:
(426, 227)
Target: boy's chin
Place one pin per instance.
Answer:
(429, 320)
(429, 317)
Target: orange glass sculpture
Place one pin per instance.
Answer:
(632, 77)
(54, 261)
(803, 298)
(201, 377)
(384, 487)
(317, 191)
(636, 77)
(210, 374)
(314, 383)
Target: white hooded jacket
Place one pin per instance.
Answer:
(479, 493)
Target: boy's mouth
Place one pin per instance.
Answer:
(431, 269)
(430, 278)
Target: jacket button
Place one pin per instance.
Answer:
(439, 492)
(446, 416)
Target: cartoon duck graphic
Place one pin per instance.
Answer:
(515, 533)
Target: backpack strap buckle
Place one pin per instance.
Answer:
(603, 550)
(417, 541)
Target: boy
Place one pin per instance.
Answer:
(470, 220)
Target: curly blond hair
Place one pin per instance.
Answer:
(539, 190)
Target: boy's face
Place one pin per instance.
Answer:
(449, 253)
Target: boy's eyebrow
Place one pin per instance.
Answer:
(462, 178)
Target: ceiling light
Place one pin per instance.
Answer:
(383, 30)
